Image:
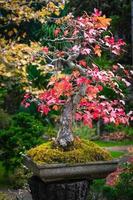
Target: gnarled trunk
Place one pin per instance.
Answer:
(65, 135)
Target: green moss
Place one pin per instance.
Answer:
(83, 151)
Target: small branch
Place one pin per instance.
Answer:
(62, 39)
(72, 65)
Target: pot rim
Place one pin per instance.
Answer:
(62, 165)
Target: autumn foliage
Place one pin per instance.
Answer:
(67, 49)
(88, 37)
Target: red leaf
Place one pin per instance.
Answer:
(78, 116)
(56, 32)
(83, 63)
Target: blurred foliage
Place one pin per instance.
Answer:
(19, 179)
(20, 34)
(83, 131)
(13, 97)
(110, 128)
(95, 192)
(23, 133)
(123, 190)
(118, 10)
(5, 120)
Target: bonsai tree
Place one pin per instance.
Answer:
(64, 47)
(77, 86)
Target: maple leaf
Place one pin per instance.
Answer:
(100, 88)
(97, 12)
(63, 87)
(60, 53)
(109, 40)
(102, 22)
(56, 32)
(92, 91)
(76, 48)
(87, 119)
(43, 109)
(85, 51)
(55, 107)
(78, 116)
(83, 63)
(45, 49)
(66, 32)
(76, 73)
(97, 50)
(82, 80)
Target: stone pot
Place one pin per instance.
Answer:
(59, 172)
(65, 181)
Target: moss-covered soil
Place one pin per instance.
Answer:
(82, 151)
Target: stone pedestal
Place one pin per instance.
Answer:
(65, 181)
(61, 190)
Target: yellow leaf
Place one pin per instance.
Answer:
(57, 12)
(62, 6)
(15, 30)
(10, 33)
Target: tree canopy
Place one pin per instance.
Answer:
(41, 38)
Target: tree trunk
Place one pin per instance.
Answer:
(65, 136)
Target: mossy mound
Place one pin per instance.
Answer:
(82, 151)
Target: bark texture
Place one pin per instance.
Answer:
(65, 136)
(69, 190)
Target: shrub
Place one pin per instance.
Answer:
(5, 120)
(120, 183)
(19, 179)
(24, 133)
(84, 131)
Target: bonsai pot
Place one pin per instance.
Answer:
(60, 172)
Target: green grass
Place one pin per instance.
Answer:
(117, 154)
(114, 143)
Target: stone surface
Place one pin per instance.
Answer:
(62, 172)
(69, 190)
